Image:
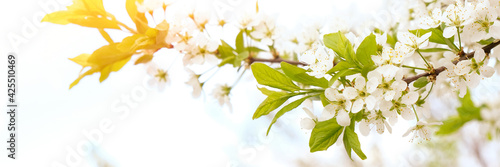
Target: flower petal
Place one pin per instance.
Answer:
(343, 118)
(350, 93)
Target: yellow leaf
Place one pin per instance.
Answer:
(89, 72)
(87, 13)
(162, 32)
(144, 59)
(112, 68)
(135, 42)
(257, 6)
(139, 19)
(106, 36)
(81, 59)
(95, 22)
(108, 54)
(59, 17)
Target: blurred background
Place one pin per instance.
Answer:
(123, 122)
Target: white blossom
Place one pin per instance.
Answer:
(360, 95)
(202, 49)
(421, 130)
(266, 31)
(221, 93)
(431, 21)
(413, 42)
(319, 60)
(309, 122)
(194, 82)
(159, 77)
(456, 15)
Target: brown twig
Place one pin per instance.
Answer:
(463, 56)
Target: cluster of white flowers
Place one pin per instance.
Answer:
(383, 97)
(476, 21)
(319, 60)
(466, 73)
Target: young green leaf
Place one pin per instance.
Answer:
(486, 41)
(324, 135)
(240, 47)
(298, 74)
(450, 126)
(240, 57)
(323, 99)
(269, 104)
(285, 109)
(340, 45)
(265, 75)
(343, 73)
(366, 49)
(468, 110)
(341, 66)
(273, 101)
(421, 82)
(436, 37)
(351, 142)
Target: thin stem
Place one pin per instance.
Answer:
(416, 68)
(429, 91)
(212, 75)
(459, 39)
(239, 78)
(208, 70)
(415, 111)
(127, 27)
(428, 65)
(171, 65)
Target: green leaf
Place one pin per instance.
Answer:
(268, 92)
(240, 57)
(367, 69)
(265, 75)
(468, 110)
(227, 54)
(341, 66)
(298, 74)
(254, 49)
(451, 125)
(340, 45)
(324, 135)
(227, 60)
(323, 99)
(240, 47)
(421, 82)
(285, 109)
(272, 102)
(342, 73)
(434, 50)
(392, 39)
(351, 142)
(366, 49)
(268, 105)
(226, 50)
(436, 37)
(486, 41)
